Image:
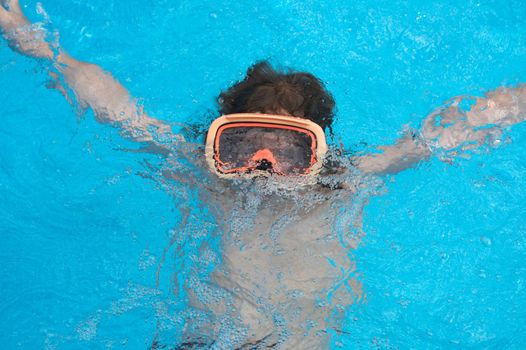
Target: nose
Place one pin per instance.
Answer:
(263, 159)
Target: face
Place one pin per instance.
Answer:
(246, 143)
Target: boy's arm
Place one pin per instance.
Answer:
(91, 85)
(451, 130)
(405, 153)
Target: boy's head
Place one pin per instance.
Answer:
(267, 90)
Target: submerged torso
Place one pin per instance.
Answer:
(285, 270)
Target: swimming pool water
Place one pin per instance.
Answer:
(83, 227)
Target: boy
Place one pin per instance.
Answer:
(285, 275)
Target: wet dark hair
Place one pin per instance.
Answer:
(271, 91)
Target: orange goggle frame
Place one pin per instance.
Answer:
(244, 120)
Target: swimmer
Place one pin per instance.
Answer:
(285, 275)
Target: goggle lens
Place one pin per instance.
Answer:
(242, 147)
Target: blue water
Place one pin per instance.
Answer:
(83, 228)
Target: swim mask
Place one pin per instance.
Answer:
(251, 144)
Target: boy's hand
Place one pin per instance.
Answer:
(11, 15)
(19, 32)
(453, 128)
